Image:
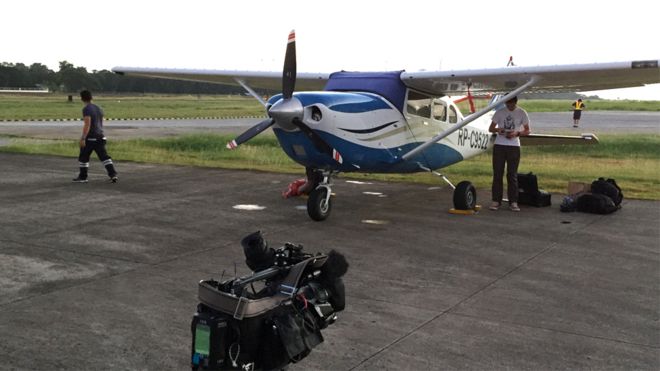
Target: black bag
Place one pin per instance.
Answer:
(298, 334)
(608, 188)
(529, 193)
(596, 203)
(538, 199)
(527, 183)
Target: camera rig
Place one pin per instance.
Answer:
(239, 327)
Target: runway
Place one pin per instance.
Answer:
(103, 276)
(603, 122)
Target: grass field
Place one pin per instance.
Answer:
(634, 159)
(56, 106)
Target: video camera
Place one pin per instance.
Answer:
(238, 326)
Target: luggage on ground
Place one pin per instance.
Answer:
(609, 188)
(529, 193)
(605, 197)
(596, 203)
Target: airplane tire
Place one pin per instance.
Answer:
(465, 196)
(317, 208)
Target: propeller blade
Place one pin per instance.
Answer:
(251, 133)
(318, 142)
(289, 72)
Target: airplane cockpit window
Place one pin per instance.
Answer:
(439, 110)
(453, 116)
(418, 104)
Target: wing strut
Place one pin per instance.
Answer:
(469, 119)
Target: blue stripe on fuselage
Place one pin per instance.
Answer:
(340, 101)
(369, 160)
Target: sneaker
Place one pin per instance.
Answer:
(514, 207)
(495, 206)
(80, 180)
(114, 179)
(575, 126)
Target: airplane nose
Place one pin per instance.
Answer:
(285, 111)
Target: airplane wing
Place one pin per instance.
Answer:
(547, 139)
(557, 78)
(254, 79)
(567, 78)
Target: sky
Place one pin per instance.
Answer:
(358, 35)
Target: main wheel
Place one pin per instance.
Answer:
(465, 196)
(317, 207)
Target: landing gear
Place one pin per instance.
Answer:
(465, 196)
(319, 203)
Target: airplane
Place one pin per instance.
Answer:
(397, 121)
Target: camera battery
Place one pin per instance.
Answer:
(210, 338)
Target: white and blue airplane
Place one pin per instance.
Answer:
(397, 121)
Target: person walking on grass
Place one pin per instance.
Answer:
(509, 124)
(578, 106)
(93, 140)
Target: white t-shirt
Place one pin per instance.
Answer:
(510, 121)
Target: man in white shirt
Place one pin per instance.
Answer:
(509, 124)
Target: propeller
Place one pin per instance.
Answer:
(250, 133)
(318, 142)
(289, 71)
(288, 110)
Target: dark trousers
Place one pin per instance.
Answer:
(509, 156)
(95, 145)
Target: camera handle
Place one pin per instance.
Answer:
(239, 283)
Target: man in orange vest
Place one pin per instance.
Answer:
(578, 106)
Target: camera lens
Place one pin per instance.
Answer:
(257, 254)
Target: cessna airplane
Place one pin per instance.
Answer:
(397, 121)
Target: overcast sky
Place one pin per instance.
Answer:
(331, 35)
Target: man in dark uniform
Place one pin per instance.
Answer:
(93, 140)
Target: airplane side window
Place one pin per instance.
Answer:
(439, 111)
(418, 104)
(425, 109)
(453, 117)
(410, 108)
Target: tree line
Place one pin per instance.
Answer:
(71, 79)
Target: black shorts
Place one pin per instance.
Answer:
(577, 114)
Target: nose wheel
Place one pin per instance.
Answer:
(319, 203)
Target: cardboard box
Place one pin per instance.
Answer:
(578, 187)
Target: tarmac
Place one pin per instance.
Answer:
(103, 276)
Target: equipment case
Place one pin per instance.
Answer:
(529, 193)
